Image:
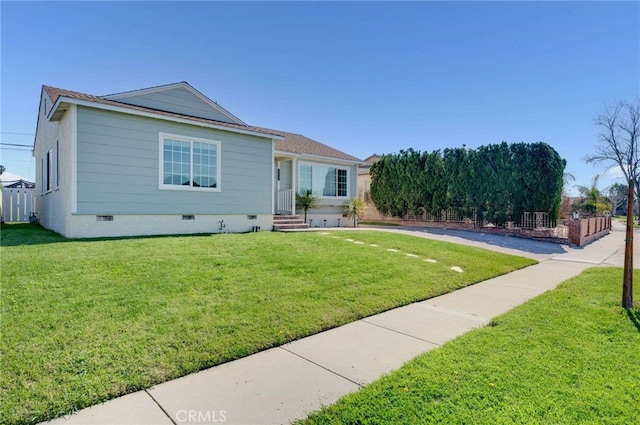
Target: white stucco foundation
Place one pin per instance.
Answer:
(90, 226)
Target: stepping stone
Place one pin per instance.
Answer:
(373, 244)
(392, 250)
(456, 269)
(349, 240)
(411, 255)
(429, 260)
(359, 243)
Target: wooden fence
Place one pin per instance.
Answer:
(17, 204)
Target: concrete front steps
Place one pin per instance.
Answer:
(282, 223)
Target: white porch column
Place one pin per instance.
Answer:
(274, 191)
(294, 184)
(276, 195)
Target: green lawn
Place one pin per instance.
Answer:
(85, 321)
(570, 356)
(623, 220)
(379, 223)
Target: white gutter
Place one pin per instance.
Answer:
(321, 158)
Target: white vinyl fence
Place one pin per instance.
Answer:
(17, 204)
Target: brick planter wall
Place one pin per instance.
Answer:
(586, 230)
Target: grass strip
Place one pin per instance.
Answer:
(569, 356)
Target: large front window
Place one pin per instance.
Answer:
(322, 180)
(189, 163)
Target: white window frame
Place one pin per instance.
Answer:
(43, 186)
(48, 167)
(327, 165)
(191, 140)
(57, 164)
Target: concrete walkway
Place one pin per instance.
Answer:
(286, 383)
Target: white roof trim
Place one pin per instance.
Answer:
(183, 85)
(48, 107)
(320, 158)
(125, 110)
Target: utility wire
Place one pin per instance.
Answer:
(15, 144)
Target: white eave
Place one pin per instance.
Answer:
(63, 102)
(321, 158)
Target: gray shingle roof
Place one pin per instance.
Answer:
(299, 144)
(293, 143)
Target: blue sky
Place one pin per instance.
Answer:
(363, 77)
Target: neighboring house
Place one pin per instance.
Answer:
(620, 206)
(168, 160)
(364, 187)
(364, 178)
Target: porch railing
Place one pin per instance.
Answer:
(285, 202)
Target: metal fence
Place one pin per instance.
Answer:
(532, 224)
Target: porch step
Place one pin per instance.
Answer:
(282, 223)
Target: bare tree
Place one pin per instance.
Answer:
(618, 140)
(567, 178)
(617, 194)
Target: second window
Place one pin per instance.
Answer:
(325, 181)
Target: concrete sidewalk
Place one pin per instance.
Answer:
(286, 383)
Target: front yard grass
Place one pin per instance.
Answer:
(623, 220)
(379, 223)
(569, 356)
(86, 321)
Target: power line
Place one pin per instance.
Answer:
(20, 134)
(16, 144)
(16, 149)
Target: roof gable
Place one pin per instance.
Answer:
(371, 159)
(285, 142)
(180, 98)
(62, 98)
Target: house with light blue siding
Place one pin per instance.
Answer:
(168, 160)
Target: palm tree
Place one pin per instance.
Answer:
(355, 208)
(595, 201)
(306, 200)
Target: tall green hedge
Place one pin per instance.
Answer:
(499, 181)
